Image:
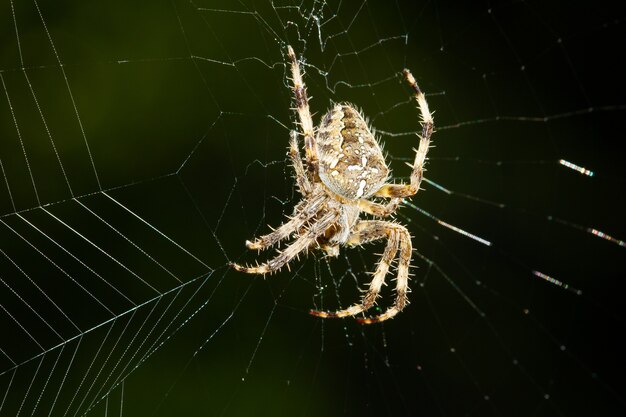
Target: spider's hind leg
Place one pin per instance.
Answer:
(302, 179)
(304, 113)
(417, 174)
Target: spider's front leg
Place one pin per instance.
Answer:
(294, 249)
(302, 214)
(402, 280)
(397, 236)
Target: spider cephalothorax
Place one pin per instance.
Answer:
(344, 168)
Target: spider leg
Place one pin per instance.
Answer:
(402, 281)
(380, 210)
(295, 248)
(407, 190)
(302, 179)
(304, 113)
(302, 214)
(368, 231)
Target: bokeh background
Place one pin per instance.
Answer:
(143, 142)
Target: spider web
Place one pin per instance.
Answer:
(142, 144)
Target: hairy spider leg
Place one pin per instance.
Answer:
(303, 212)
(397, 236)
(407, 190)
(380, 210)
(296, 247)
(302, 179)
(402, 280)
(304, 113)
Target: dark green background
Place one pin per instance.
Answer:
(187, 112)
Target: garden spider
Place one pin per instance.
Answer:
(344, 169)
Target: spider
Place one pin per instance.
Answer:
(343, 170)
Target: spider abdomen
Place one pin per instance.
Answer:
(351, 162)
